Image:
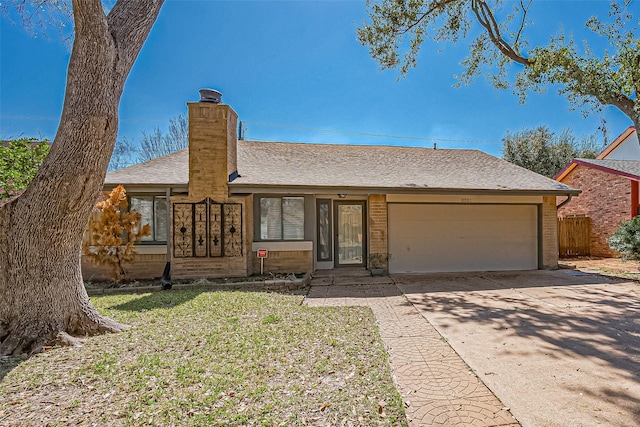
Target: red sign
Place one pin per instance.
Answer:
(262, 253)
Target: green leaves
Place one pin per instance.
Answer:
(407, 24)
(398, 28)
(626, 239)
(19, 162)
(544, 152)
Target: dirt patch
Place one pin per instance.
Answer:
(614, 267)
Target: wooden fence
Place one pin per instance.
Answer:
(574, 236)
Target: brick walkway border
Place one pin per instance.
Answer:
(437, 386)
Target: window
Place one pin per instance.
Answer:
(154, 212)
(282, 218)
(323, 214)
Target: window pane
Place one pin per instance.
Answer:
(144, 206)
(271, 218)
(293, 218)
(324, 231)
(350, 226)
(160, 219)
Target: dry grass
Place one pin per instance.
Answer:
(612, 267)
(210, 359)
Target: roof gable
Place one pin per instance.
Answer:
(624, 147)
(626, 168)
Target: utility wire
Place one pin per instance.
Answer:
(342, 132)
(58, 118)
(376, 135)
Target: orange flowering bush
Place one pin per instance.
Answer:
(113, 235)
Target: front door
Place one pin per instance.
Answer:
(350, 233)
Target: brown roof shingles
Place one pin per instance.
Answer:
(628, 168)
(322, 165)
(172, 169)
(280, 164)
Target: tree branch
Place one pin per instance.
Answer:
(604, 95)
(130, 23)
(525, 10)
(636, 87)
(89, 19)
(486, 19)
(434, 7)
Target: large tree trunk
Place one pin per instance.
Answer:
(42, 296)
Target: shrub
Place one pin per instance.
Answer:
(113, 235)
(626, 239)
(19, 162)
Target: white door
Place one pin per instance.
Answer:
(440, 237)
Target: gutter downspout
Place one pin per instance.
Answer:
(569, 197)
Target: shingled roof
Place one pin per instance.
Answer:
(628, 168)
(172, 169)
(296, 165)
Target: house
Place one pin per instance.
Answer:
(320, 206)
(610, 190)
(624, 147)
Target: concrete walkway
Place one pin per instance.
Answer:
(437, 386)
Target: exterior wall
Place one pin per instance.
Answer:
(212, 159)
(463, 199)
(238, 266)
(148, 263)
(144, 266)
(549, 230)
(248, 235)
(605, 198)
(212, 136)
(284, 262)
(378, 226)
(628, 149)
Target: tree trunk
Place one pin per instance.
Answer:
(42, 296)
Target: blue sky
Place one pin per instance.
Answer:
(287, 67)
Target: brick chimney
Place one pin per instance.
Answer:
(212, 147)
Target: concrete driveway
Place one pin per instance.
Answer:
(559, 348)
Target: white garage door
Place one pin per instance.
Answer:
(439, 237)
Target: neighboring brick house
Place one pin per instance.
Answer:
(609, 187)
(322, 206)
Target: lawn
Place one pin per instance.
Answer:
(210, 359)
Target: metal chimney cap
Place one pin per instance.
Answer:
(210, 95)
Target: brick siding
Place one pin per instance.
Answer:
(549, 233)
(240, 266)
(284, 262)
(144, 266)
(212, 136)
(378, 224)
(194, 268)
(605, 198)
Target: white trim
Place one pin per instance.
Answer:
(306, 245)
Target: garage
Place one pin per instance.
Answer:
(462, 237)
